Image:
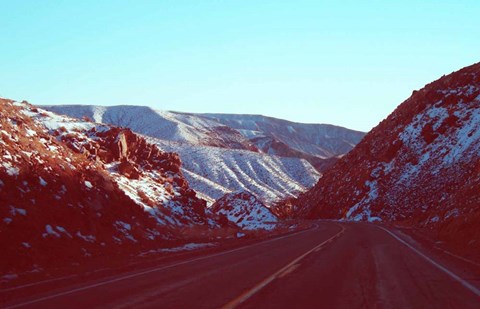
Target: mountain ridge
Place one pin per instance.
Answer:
(132, 116)
(198, 139)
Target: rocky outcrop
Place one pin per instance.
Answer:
(245, 210)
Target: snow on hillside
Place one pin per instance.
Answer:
(164, 125)
(318, 140)
(245, 210)
(71, 190)
(213, 171)
(216, 158)
(420, 166)
(250, 132)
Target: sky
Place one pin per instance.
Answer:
(347, 63)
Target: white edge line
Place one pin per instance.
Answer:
(463, 282)
(151, 271)
(18, 287)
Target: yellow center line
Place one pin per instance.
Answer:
(290, 267)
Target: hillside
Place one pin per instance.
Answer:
(74, 190)
(250, 132)
(213, 172)
(219, 159)
(163, 125)
(419, 167)
(286, 138)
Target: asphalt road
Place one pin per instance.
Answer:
(333, 265)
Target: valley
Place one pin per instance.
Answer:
(156, 208)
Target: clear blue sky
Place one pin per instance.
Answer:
(348, 63)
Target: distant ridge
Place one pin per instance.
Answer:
(271, 158)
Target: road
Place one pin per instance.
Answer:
(332, 265)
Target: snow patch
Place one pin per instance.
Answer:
(10, 169)
(186, 247)
(50, 231)
(88, 238)
(42, 182)
(14, 211)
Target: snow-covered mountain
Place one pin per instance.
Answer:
(245, 210)
(272, 158)
(71, 190)
(320, 144)
(250, 132)
(163, 125)
(420, 166)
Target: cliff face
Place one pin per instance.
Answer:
(420, 166)
(71, 190)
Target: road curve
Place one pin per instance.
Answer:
(333, 265)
